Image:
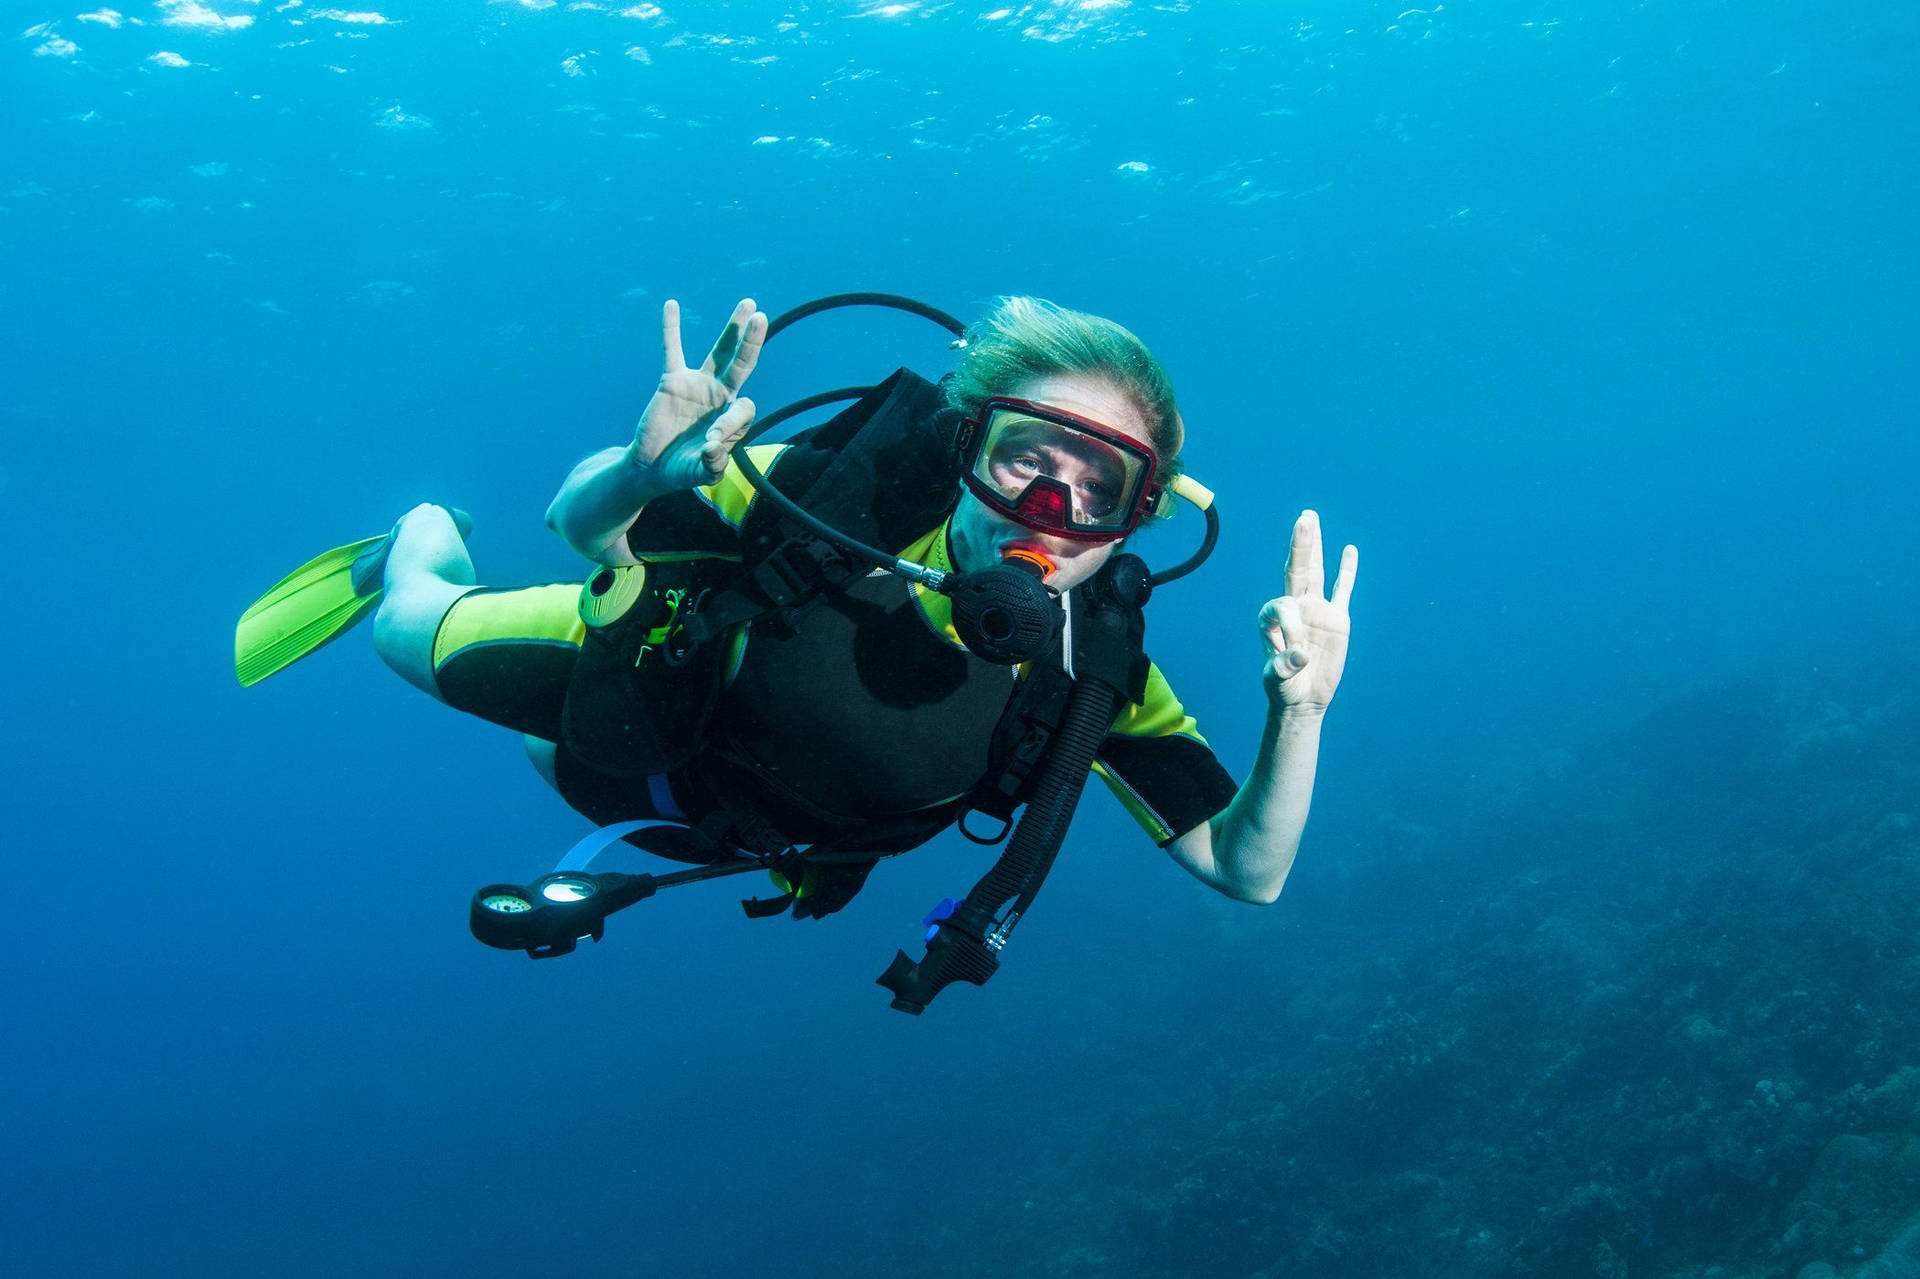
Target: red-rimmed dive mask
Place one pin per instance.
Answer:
(1056, 472)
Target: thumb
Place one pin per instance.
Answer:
(725, 433)
(1279, 621)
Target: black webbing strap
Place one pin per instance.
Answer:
(800, 568)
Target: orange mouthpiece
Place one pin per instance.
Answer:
(1032, 559)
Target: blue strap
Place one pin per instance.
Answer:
(662, 796)
(581, 855)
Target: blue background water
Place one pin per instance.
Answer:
(1593, 325)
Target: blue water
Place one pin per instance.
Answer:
(1592, 325)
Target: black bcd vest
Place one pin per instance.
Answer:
(882, 471)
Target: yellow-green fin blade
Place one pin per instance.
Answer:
(304, 610)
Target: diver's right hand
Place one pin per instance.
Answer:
(696, 416)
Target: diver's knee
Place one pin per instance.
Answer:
(542, 753)
(427, 571)
(406, 624)
(428, 547)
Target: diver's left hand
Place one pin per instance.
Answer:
(1305, 632)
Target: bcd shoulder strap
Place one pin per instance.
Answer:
(880, 470)
(646, 681)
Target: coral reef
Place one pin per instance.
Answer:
(1660, 1015)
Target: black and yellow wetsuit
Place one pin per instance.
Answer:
(869, 710)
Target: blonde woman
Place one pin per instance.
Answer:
(864, 716)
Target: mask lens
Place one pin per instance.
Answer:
(1092, 484)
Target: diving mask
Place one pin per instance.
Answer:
(1057, 472)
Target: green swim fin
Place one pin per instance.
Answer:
(312, 605)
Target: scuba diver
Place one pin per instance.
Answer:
(803, 657)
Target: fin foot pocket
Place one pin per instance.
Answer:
(314, 605)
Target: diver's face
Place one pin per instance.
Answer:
(982, 536)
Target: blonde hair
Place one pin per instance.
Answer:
(1025, 338)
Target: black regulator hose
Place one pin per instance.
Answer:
(966, 945)
(853, 546)
(765, 487)
(1196, 559)
(894, 301)
(1036, 840)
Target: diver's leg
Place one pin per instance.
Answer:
(428, 568)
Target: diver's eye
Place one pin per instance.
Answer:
(1014, 471)
(1097, 499)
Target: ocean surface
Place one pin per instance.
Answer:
(1593, 325)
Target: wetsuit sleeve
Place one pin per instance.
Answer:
(1160, 768)
(706, 521)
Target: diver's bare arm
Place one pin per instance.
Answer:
(1246, 851)
(684, 438)
(599, 501)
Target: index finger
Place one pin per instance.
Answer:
(1343, 584)
(1305, 574)
(676, 359)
